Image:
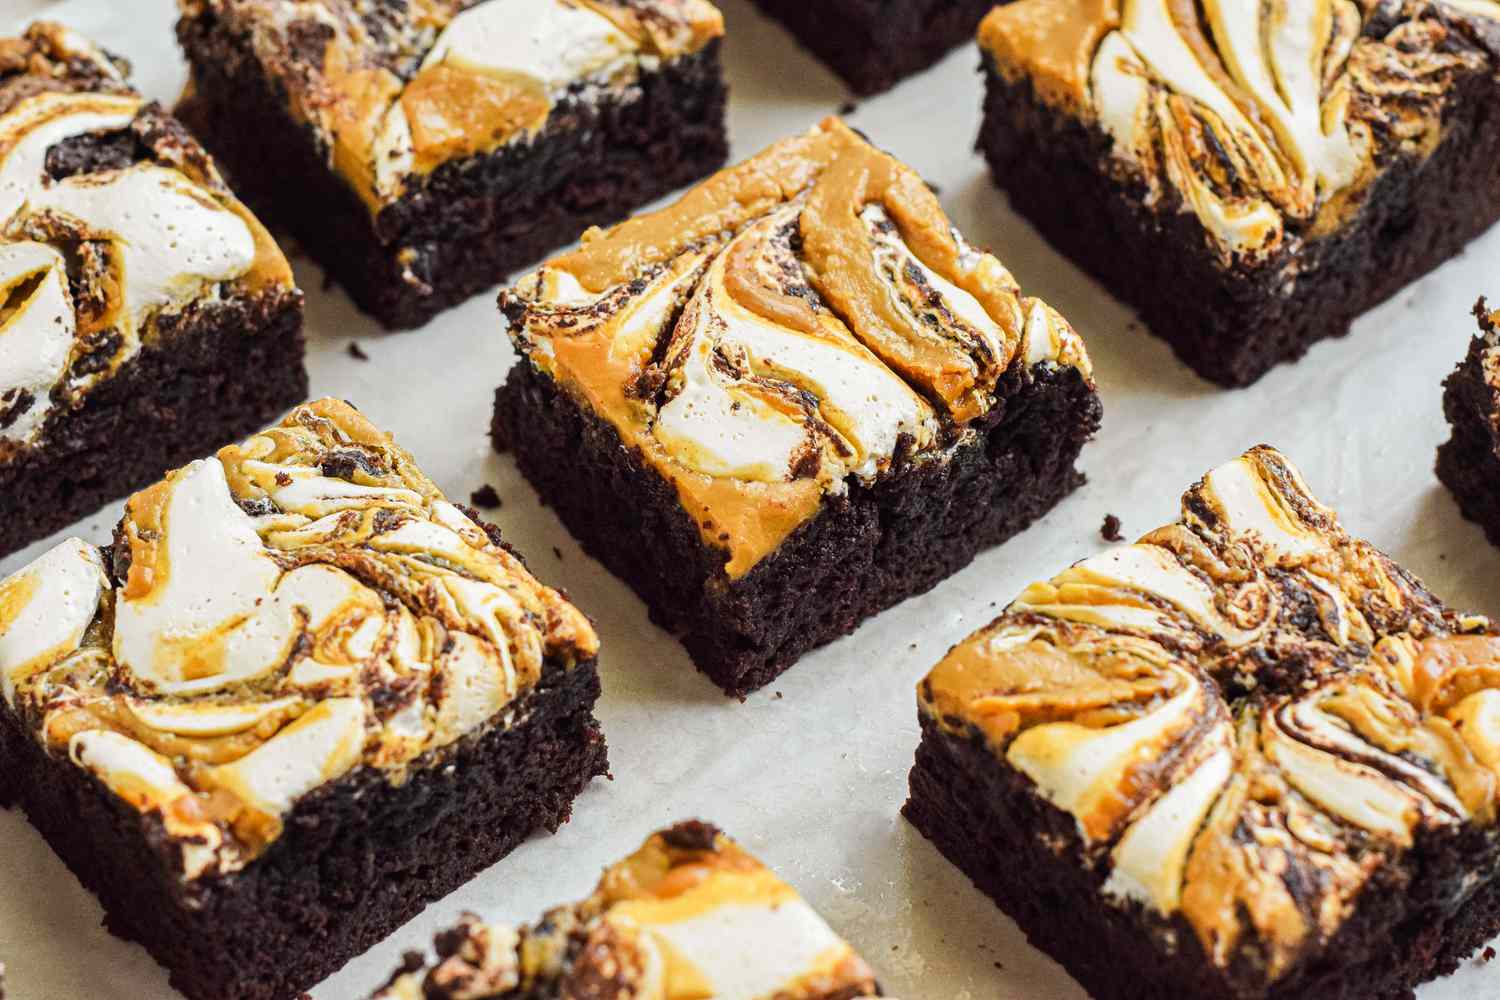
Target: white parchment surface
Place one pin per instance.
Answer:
(810, 773)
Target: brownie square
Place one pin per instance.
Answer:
(423, 152)
(1247, 757)
(690, 914)
(789, 401)
(874, 44)
(1245, 219)
(1468, 463)
(300, 697)
(145, 315)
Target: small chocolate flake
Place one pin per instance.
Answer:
(691, 835)
(485, 498)
(1110, 529)
(848, 108)
(557, 552)
(356, 352)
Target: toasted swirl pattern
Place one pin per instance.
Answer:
(1264, 118)
(689, 915)
(1248, 713)
(805, 319)
(96, 255)
(270, 619)
(394, 91)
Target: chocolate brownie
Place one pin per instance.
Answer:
(789, 401)
(688, 915)
(1246, 758)
(421, 152)
(874, 44)
(300, 697)
(1250, 184)
(145, 316)
(1468, 463)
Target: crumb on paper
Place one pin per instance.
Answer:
(848, 108)
(356, 352)
(777, 695)
(1110, 529)
(1488, 955)
(485, 498)
(557, 552)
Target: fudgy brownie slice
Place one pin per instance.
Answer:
(300, 697)
(422, 152)
(1250, 177)
(145, 316)
(1246, 758)
(874, 44)
(1468, 463)
(789, 401)
(690, 914)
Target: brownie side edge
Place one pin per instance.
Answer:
(874, 45)
(1232, 324)
(1468, 462)
(475, 221)
(223, 372)
(860, 554)
(987, 821)
(356, 860)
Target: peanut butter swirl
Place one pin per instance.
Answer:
(395, 90)
(805, 319)
(1250, 715)
(688, 916)
(298, 608)
(114, 225)
(1267, 119)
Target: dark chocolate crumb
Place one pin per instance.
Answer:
(485, 498)
(356, 352)
(777, 695)
(557, 552)
(848, 108)
(692, 835)
(1111, 529)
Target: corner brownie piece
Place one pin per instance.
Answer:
(145, 316)
(1250, 177)
(1246, 757)
(688, 915)
(874, 44)
(1468, 463)
(789, 401)
(300, 697)
(423, 151)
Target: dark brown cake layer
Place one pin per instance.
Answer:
(1232, 324)
(874, 44)
(474, 221)
(357, 859)
(1467, 462)
(1411, 924)
(860, 555)
(220, 372)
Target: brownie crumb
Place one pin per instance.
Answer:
(692, 835)
(848, 108)
(1488, 955)
(777, 695)
(356, 352)
(557, 552)
(485, 498)
(1111, 529)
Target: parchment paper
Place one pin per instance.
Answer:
(810, 773)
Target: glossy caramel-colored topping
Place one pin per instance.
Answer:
(1248, 714)
(1052, 44)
